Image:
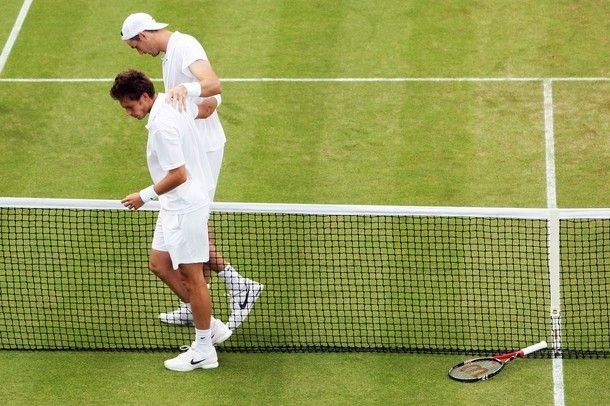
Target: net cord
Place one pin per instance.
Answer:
(314, 209)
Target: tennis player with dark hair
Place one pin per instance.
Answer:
(181, 174)
(188, 74)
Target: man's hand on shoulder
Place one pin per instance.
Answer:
(177, 97)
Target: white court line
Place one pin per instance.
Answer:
(551, 192)
(558, 386)
(6, 51)
(326, 80)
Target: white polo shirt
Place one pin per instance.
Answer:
(173, 141)
(182, 51)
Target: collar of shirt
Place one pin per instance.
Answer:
(170, 44)
(155, 108)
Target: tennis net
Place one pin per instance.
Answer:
(337, 278)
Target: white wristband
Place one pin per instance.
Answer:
(148, 194)
(218, 99)
(193, 89)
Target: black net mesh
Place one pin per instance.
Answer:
(78, 279)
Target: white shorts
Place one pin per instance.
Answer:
(183, 236)
(215, 160)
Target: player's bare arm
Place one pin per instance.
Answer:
(173, 179)
(209, 85)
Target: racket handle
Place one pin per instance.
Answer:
(533, 348)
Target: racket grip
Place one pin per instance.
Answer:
(533, 348)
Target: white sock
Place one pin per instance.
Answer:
(203, 340)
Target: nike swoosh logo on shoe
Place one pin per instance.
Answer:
(193, 362)
(243, 304)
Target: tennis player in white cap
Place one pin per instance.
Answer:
(188, 74)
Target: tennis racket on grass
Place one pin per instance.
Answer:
(481, 369)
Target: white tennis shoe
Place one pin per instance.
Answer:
(220, 332)
(243, 299)
(182, 316)
(192, 359)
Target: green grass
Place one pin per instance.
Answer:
(474, 144)
(320, 38)
(274, 379)
(581, 139)
(8, 11)
(448, 148)
(585, 381)
(80, 139)
(305, 379)
(321, 140)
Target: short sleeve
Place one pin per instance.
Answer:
(169, 149)
(191, 51)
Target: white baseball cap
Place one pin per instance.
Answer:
(138, 22)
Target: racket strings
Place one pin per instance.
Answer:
(476, 370)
